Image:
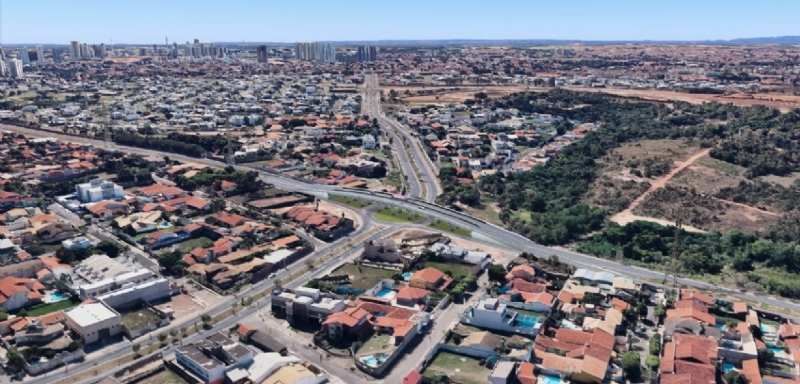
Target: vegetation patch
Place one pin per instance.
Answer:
(349, 201)
(451, 228)
(398, 215)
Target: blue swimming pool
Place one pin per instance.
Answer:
(550, 379)
(775, 348)
(384, 292)
(54, 297)
(373, 361)
(407, 276)
(727, 367)
(526, 321)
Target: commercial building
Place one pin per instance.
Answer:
(262, 53)
(15, 68)
(316, 51)
(94, 321)
(305, 304)
(211, 359)
(97, 190)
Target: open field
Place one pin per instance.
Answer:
(779, 101)
(363, 277)
(451, 94)
(458, 368)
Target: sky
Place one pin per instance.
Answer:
(150, 21)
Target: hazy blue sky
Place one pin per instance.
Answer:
(148, 21)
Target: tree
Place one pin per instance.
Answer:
(652, 363)
(136, 348)
(110, 248)
(733, 377)
(655, 346)
(631, 365)
(3, 315)
(497, 273)
(217, 205)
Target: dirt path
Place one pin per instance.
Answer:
(627, 215)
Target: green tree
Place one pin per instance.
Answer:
(497, 273)
(655, 346)
(110, 248)
(631, 365)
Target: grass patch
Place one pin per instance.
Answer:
(459, 368)
(349, 201)
(43, 309)
(363, 277)
(166, 377)
(525, 216)
(139, 319)
(398, 215)
(395, 179)
(188, 245)
(458, 271)
(447, 227)
(375, 344)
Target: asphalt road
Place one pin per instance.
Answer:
(480, 230)
(422, 176)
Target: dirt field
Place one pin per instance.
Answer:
(621, 178)
(780, 101)
(691, 193)
(499, 254)
(449, 95)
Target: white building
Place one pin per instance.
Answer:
(94, 321)
(15, 68)
(492, 314)
(97, 190)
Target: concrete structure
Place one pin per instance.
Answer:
(211, 359)
(94, 321)
(492, 314)
(305, 304)
(97, 190)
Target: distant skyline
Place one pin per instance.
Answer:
(150, 21)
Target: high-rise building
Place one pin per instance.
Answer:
(22, 54)
(3, 69)
(367, 53)
(75, 51)
(316, 52)
(15, 68)
(262, 53)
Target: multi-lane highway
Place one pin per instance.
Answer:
(480, 230)
(421, 175)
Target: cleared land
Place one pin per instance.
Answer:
(451, 94)
(693, 193)
(363, 277)
(458, 368)
(781, 102)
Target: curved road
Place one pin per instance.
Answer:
(480, 230)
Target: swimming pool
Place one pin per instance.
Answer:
(373, 361)
(775, 348)
(526, 321)
(54, 297)
(385, 293)
(549, 379)
(727, 367)
(407, 276)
